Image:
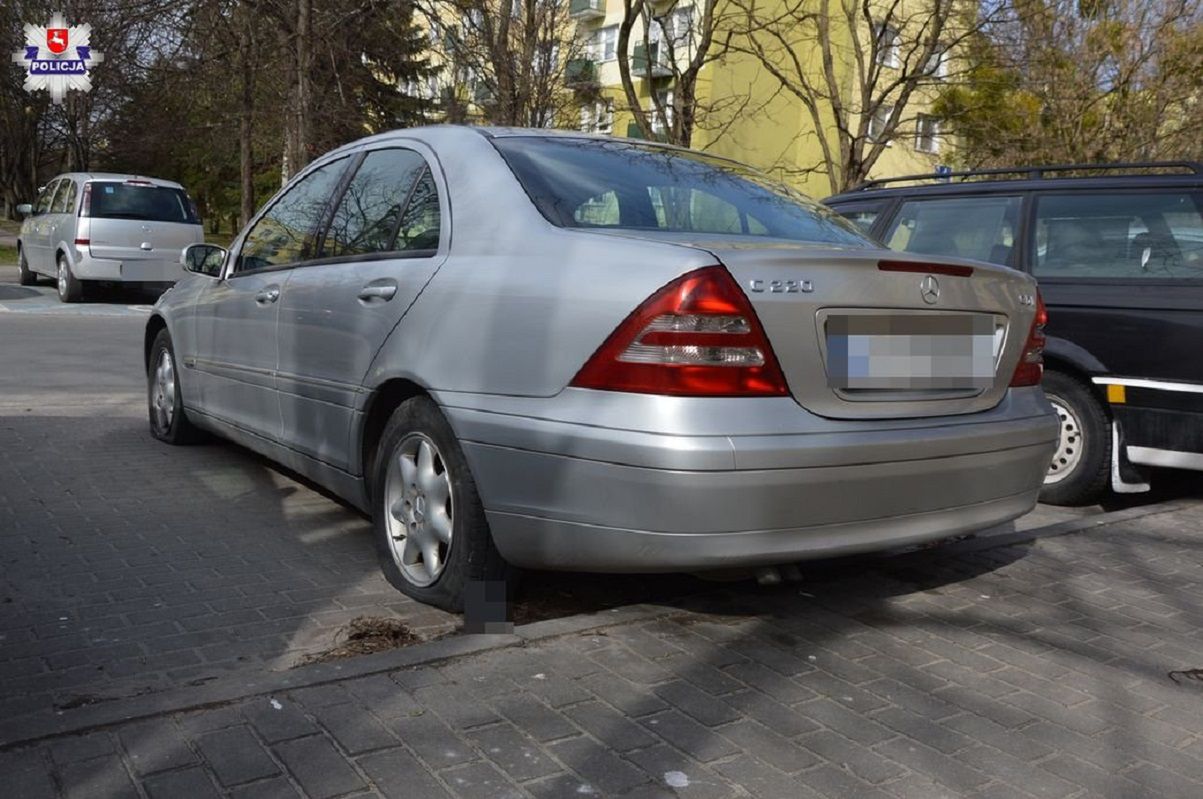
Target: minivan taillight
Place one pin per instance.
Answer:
(697, 336)
(1031, 364)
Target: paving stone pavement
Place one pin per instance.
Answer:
(1030, 670)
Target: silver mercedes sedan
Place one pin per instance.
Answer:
(516, 348)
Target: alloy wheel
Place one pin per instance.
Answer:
(163, 393)
(418, 504)
(62, 278)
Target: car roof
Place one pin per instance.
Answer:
(1033, 179)
(116, 176)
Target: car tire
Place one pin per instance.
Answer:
(25, 275)
(432, 537)
(1081, 468)
(70, 288)
(165, 402)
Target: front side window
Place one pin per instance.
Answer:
(368, 213)
(284, 234)
(1127, 236)
(587, 183)
(982, 228)
(45, 197)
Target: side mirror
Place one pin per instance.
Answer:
(25, 209)
(203, 259)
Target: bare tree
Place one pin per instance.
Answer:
(508, 58)
(673, 42)
(857, 68)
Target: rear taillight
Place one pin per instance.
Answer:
(697, 336)
(85, 205)
(1031, 363)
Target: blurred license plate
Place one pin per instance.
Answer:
(912, 351)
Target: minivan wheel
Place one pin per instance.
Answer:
(168, 421)
(432, 537)
(70, 288)
(25, 275)
(1080, 469)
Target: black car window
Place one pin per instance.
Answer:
(421, 222)
(45, 197)
(982, 228)
(141, 202)
(863, 215)
(284, 234)
(588, 183)
(1123, 236)
(64, 197)
(370, 208)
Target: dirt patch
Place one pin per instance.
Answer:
(363, 636)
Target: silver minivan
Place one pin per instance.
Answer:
(99, 227)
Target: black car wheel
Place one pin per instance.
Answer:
(165, 403)
(25, 275)
(1081, 467)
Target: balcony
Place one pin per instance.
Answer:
(660, 67)
(581, 73)
(587, 9)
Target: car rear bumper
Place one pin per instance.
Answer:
(165, 272)
(566, 493)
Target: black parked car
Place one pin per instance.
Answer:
(1118, 251)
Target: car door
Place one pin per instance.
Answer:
(60, 223)
(236, 347)
(37, 241)
(1122, 275)
(383, 242)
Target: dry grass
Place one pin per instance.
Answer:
(363, 636)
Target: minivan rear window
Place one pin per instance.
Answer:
(588, 183)
(143, 203)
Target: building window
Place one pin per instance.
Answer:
(666, 100)
(605, 43)
(927, 134)
(887, 43)
(878, 122)
(674, 28)
(937, 65)
(598, 117)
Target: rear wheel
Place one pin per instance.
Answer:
(432, 538)
(70, 288)
(26, 276)
(1081, 466)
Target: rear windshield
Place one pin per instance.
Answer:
(144, 203)
(586, 183)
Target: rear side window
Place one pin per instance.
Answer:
(1123, 236)
(284, 234)
(64, 198)
(140, 202)
(861, 215)
(370, 210)
(586, 183)
(982, 228)
(421, 222)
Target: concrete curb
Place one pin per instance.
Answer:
(37, 727)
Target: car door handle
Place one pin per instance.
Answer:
(382, 290)
(146, 245)
(268, 295)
